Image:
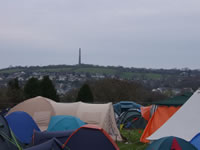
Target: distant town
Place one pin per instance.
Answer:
(67, 77)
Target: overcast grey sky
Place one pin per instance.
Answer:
(130, 33)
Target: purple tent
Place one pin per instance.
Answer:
(41, 137)
(52, 144)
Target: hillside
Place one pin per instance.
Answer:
(121, 72)
(67, 77)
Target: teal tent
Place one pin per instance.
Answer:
(170, 143)
(63, 123)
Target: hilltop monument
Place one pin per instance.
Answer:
(79, 59)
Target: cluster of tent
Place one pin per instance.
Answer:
(173, 123)
(158, 113)
(168, 124)
(128, 115)
(42, 124)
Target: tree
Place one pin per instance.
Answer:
(14, 92)
(4, 101)
(47, 89)
(85, 94)
(70, 96)
(32, 88)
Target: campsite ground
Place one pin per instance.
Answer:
(133, 140)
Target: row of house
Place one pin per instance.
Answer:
(63, 81)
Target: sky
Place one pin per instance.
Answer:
(130, 33)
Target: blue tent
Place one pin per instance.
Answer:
(52, 144)
(122, 106)
(196, 141)
(90, 137)
(22, 126)
(63, 123)
(41, 137)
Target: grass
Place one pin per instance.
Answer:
(55, 69)
(133, 140)
(11, 70)
(97, 70)
(127, 75)
(153, 76)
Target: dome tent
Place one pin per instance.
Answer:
(131, 119)
(170, 143)
(7, 138)
(90, 137)
(39, 108)
(63, 123)
(52, 144)
(123, 106)
(41, 137)
(22, 126)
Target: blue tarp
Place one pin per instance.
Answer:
(63, 123)
(22, 126)
(196, 141)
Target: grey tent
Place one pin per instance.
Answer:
(132, 119)
(7, 138)
(123, 106)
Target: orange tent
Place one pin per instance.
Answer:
(159, 113)
(145, 111)
(160, 116)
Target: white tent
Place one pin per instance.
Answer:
(98, 114)
(41, 109)
(185, 123)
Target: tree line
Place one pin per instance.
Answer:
(93, 91)
(112, 90)
(15, 93)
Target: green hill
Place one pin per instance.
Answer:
(125, 73)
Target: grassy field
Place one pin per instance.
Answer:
(133, 140)
(96, 70)
(64, 69)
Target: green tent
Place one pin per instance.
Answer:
(170, 143)
(175, 101)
